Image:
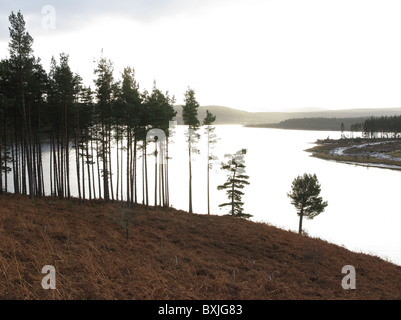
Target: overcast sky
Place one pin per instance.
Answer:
(256, 55)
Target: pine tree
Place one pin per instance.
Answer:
(236, 181)
(65, 84)
(20, 67)
(190, 117)
(161, 107)
(131, 101)
(211, 140)
(305, 191)
(5, 148)
(104, 95)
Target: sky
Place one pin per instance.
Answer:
(254, 55)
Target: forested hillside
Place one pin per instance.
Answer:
(323, 124)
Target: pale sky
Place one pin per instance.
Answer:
(254, 55)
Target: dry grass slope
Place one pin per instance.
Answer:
(171, 254)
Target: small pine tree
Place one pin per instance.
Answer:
(305, 191)
(236, 181)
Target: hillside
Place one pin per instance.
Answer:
(226, 115)
(171, 254)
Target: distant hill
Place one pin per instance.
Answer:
(225, 115)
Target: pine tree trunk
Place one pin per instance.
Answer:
(88, 170)
(50, 166)
(232, 193)
(128, 164)
(6, 154)
(208, 173)
(14, 155)
(110, 167)
(146, 176)
(121, 171)
(93, 170)
(300, 220)
(131, 175)
(41, 191)
(162, 180)
(118, 165)
(155, 174)
(98, 168)
(190, 178)
(166, 177)
(1, 169)
(38, 155)
(83, 173)
(26, 139)
(67, 154)
(143, 177)
(60, 168)
(135, 173)
(78, 169)
(14, 163)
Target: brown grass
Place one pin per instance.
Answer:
(171, 254)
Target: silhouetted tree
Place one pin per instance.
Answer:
(211, 140)
(305, 191)
(63, 96)
(131, 117)
(190, 117)
(20, 66)
(160, 105)
(236, 181)
(104, 95)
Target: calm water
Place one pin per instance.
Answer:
(364, 211)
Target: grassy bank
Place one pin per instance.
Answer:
(170, 254)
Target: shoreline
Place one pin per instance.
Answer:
(376, 153)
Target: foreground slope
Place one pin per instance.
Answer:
(171, 254)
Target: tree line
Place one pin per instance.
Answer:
(384, 127)
(369, 127)
(55, 111)
(315, 123)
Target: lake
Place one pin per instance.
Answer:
(364, 205)
(364, 211)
